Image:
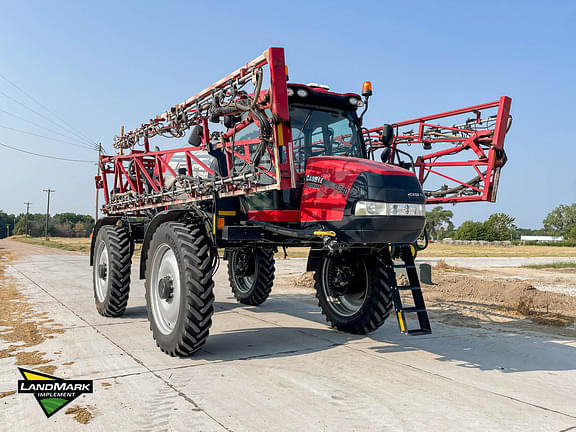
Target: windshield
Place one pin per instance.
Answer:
(321, 131)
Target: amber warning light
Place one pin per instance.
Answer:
(367, 88)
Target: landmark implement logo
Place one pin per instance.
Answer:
(52, 393)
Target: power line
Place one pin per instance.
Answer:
(43, 127)
(43, 155)
(41, 136)
(47, 109)
(40, 114)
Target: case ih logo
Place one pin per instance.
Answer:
(319, 180)
(52, 393)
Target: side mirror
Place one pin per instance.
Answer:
(195, 138)
(387, 135)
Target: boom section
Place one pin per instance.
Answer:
(462, 151)
(252, 153)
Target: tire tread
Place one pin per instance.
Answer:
(120, 264)
(376, 311)
(198, 285)
(264, 282)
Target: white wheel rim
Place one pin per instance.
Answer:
(101, 283)
(165, 311)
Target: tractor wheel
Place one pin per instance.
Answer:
(111, 270)
(251, 274)
(353, 292)
(179, 288)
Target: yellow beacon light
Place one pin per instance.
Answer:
(367, 88)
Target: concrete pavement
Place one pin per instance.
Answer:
(280, 367)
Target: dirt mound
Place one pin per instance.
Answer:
(305, 280)
(474, 297)
(515, 297)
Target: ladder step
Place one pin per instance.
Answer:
(418, 307)
(419, 332)
(408, 288)
(413, 310)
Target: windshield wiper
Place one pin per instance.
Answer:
(301, 130)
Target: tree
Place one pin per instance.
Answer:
(71, 225)
(80, 229)
(36, 224)
(439, 222)
(561, 220)
(61, 225)
(571, 232)
(499, 226)
(6, 220)
(470, 230)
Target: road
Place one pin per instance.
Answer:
(280, 367)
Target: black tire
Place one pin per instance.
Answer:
(368, 301)
(254, 286)
(111, 270)
(192, 288)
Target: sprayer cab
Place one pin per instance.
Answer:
(363, 201)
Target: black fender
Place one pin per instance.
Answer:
(108, 220)
(315, 257)
(160, 218)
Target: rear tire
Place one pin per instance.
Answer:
(179, 288)
(111, 270)
(251, 274)
(353, 292)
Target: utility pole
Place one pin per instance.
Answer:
(47, 211)
(27, 211)
(97, 175)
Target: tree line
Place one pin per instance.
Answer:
(59, 225)
(499, 226)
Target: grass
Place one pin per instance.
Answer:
(445, 250)
(557, 265)
(65, 243)
(433, 250)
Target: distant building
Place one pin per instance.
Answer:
(541, 238)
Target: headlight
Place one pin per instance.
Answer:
(302, 92)
(373, 208)
(290, 91)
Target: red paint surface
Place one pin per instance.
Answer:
(274, 215)
(327, 204)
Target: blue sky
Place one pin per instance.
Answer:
(104, 64)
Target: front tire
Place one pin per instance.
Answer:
(111, 270)
(251, 274)
(353, 291)
(179, 288)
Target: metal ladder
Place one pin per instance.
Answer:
(404, 253)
